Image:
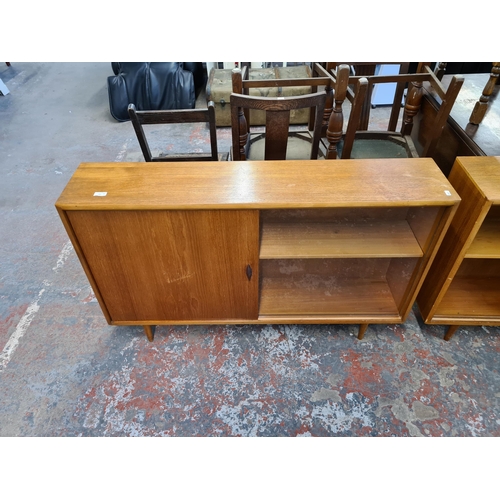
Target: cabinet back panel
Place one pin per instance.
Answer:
(326, 268)
(480, 268)
(486, 244)
(326, 287)
(472, 296)
(336, 215)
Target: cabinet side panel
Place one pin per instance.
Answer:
(464, 226)
(424, 222)
(81, 257)
(172, 265)
(401, 277)
(430, 234)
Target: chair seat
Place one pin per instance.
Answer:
(298, 147)
(390, 147)
(357, 145)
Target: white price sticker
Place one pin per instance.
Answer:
(100, 193)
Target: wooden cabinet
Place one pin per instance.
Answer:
(463, 284)
(348, 241)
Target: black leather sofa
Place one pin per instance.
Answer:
(154, 85)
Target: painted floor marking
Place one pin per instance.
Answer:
(65, 252)
(20, 330)
(24, 323)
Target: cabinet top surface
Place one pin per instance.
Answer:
(484, 171)
(257, 185)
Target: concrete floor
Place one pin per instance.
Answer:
(65, 372)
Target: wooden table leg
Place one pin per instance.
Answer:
(149, 330)
(362, 330)
(451, 330)
(481, 106)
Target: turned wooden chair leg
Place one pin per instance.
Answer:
(149, 330)
(362, 330)
(336, 120)
(451, 330)
(481, 106)
(412, 106)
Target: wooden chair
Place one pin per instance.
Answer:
(207, 115)
(391, 143)
(366, 69)
(301, 141)
(481, 105)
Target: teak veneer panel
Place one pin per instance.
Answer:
(484, 172)
(257, 185)
(324, 240)
(463, 228)
(172, 265)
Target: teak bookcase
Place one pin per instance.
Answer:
(346, 241)
(463, 284)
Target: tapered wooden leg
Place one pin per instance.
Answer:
(149, 330)
(451, 330)
(362, 330)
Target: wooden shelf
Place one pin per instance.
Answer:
(313, 296)
(462, 286)
(471, 297)
(486, 244)
(332, 240)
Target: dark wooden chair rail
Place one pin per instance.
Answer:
(204, 115)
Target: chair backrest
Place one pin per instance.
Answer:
(277, 111)
(204, 115)
(335, 89)
(414, 81)
(242, 84)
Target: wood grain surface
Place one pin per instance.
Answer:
(172, 264)
(322, 240)
(257, 185)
